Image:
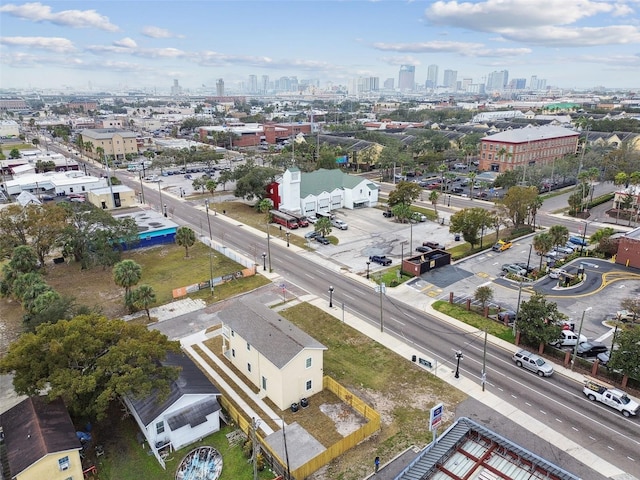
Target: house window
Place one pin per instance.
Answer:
(63, 463)
(308, 385)
(233, 352)
(160, 427)
(308, 363)
(248, 346)
(264, 383)
(249, 367)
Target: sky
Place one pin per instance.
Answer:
(122, 44)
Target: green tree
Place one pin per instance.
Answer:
(127, 274)
(402, 212)
(90, 361)
(633, 305)
(14, 153)
(35, 142)
(625, 356)
(483, 294)
(433, 197)
(539, 321)
(323, 226)
(559, 235)
(518, 202)
(405, 192)
(185, 237)
(542, 243)
(600, 234)
(252, 181)
(575, 202)
(469, 222)
(211, 185)
(143, 298)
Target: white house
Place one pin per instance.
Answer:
(55, 183)
(324, 190)
(189, 413)
(284, 362)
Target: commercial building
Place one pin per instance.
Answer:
(450, 78)
(629, 249)
(407, 78)
(9, 129)
(114, 142)
(432, 77)
(525, 147)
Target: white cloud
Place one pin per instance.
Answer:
(54, 44)
(37, 12)
(577, 37)
(494, 15)
(125, 43)
(157, 32)
(404, 60)
(24, 60)
(461, 48)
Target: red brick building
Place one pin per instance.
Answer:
(527, 146)
(252, 134)
(629, 249)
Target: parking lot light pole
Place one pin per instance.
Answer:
(288, 233)
(575, 349)
(206, 204)
(529, 258)
(515, 320)
(368, 264)
(584, 234)
(264, 261)
(459, 357)
(330, 296)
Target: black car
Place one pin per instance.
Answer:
(387, 214)
(507, 316)
(322, 240)
(423, 249)
(591, 349)
(381, 259)
(529, 268)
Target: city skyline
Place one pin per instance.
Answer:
(141, 45)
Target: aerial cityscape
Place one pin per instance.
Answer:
(355, 240)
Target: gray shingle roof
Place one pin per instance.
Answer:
(273, 336)
(323, 180)
(106, 133)
(34, 428)
(190, 382)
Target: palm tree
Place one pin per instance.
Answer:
(472, 181)
(88, 146)
(126, 274)
(143, 297)
(185, 237)
(542, 243)
(433, 197)
(559, 234)
(533, 209)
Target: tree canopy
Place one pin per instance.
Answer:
(518, 201)
(405, 192)
(469, 222)
(90, 361)
(539, 321)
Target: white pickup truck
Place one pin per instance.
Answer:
(612, 397)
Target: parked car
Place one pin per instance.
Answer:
(590, 349)
(423, 249)
(626, 316)
(418, 217)
(515, 269)
(604, 357)
(568, 339)
(508, 316)
(533, 362)
(336, 222)
(433, 245)
(311, 235)
(387, 214)
(529, 268)
(579, 241)
(501, 246)
(322, 240)
(557, 273)
(381, 259)
(563, 249)
(457, 190)
(312, 219)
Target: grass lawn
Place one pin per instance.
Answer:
(126, 459)
(475, 319)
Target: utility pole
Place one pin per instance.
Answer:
(382, 289)
(484, 360)
(575, 349)
(254, 454)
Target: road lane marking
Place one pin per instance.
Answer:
(558, 420)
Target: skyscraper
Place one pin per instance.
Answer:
(264, 86)
(220, 87)
(388, 84)
(407, 78)
(253, 84)
(450, 78)
(432, 77)
(497, 81)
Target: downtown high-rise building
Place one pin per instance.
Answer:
(450, 78)
(497, 81)
(407, 78)
(537, 83)
(253, 84)
(389, 83)
(432, 77)
(220, 87)
(264, 84)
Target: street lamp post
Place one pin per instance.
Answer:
(459, 357)
(330, 296)
(515, 320)
(368, 264)
(165, 209)
(264, 261)
(529, 257)
(206, 204)
(575, 349)
(288, 233)
(160, 193)
(584, 234)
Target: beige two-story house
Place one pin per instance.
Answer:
(275, 355)
(115, 143)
